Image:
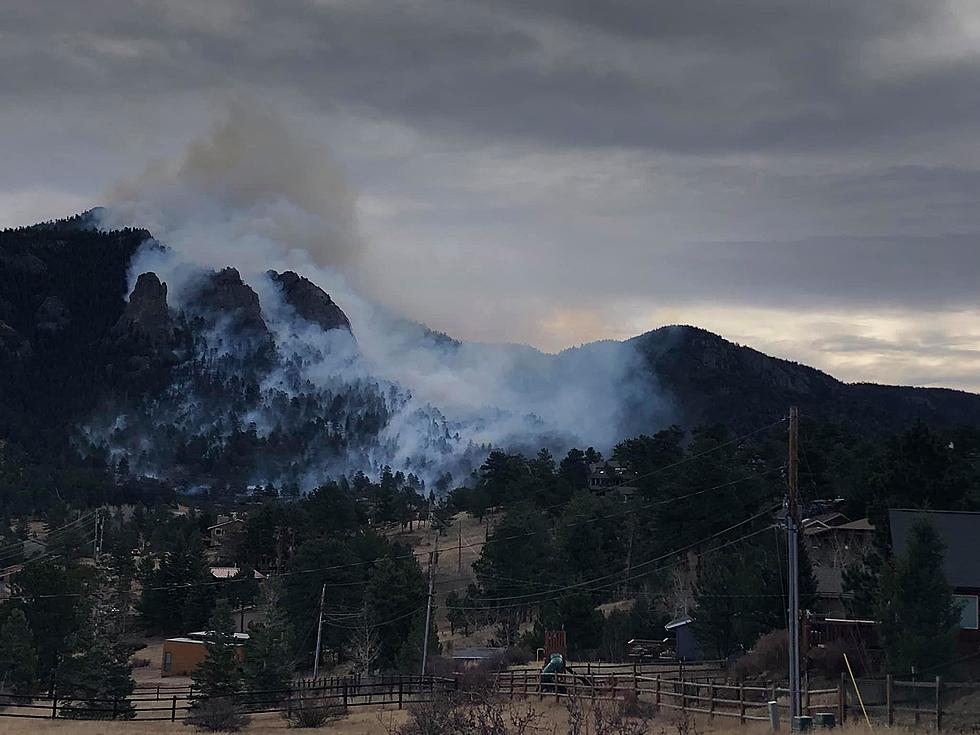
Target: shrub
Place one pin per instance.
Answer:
(768, 659)
(313, 710)
(217, 714)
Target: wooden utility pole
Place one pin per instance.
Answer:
(319, 632)
(459, 559)
(792, 542)
(433, 560)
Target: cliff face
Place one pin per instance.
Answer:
(310, 301)
(146, 319)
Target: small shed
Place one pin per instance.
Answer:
(686, 644)
(182, 655)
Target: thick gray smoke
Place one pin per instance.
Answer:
(255, 194)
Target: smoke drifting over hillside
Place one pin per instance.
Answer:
(256, 195)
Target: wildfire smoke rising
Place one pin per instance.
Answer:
(258, 195)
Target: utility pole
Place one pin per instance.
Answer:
(433, 560)
(319, 632)
(459, 552)
(792, 544)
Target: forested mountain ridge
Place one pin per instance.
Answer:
(240, 383)
(712, 380)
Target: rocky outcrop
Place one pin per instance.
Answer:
(224, 296)
(310, 301)
(147, 318)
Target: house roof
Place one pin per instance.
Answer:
(229, 572)
(959, 530)
(832, 518)
(225, 523)
(678, 622)
(862, 525)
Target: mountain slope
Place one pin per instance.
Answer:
(713, 380)
(220, 382)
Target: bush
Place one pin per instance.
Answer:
(217, 714)
(768, 659)
(313, 710)
(471, 715)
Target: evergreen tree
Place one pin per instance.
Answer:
(55, 599)
(174, 598)
(99, 668)
(409, 656)
(18, 658)
(268, 664)
(397, 587)
(915, 604)
(219, 674)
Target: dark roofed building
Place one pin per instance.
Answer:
(608, 476)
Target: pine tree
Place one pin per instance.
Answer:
(268, 664)
(215, 702)
(18, 658)
(219, 674)
(916, 606)
(99, 674)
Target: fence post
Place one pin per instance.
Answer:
(889, 701)
(524, 675)
(54, 704)
(658, 693)
(939, 703)
(158, 692)
(741, 703)
(400, 692)
(173, 709)
(345, 694)
(683, 695)
(115, 708)
(842, 699)
(711, 701)
(511, 682)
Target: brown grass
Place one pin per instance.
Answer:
(371, 721)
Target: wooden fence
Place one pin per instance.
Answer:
(174, 703)
(696, 694)
(933, 703)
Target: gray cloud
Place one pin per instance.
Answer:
(556, 170)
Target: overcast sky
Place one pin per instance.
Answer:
(800, 176)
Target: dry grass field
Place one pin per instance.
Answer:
(377, 722)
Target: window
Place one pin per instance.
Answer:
(168, 660)
(968, 611)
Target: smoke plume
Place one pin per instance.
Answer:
(256, 194)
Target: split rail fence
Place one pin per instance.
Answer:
(697, 694)
(168, 703)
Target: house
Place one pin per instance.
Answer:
(834, 543)
(182, 655)
(609, 476)
(960, 532)
(225, 527)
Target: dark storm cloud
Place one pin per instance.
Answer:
(692, 76)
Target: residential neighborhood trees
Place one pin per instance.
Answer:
(915, 605)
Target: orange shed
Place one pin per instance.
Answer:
(182, 655)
